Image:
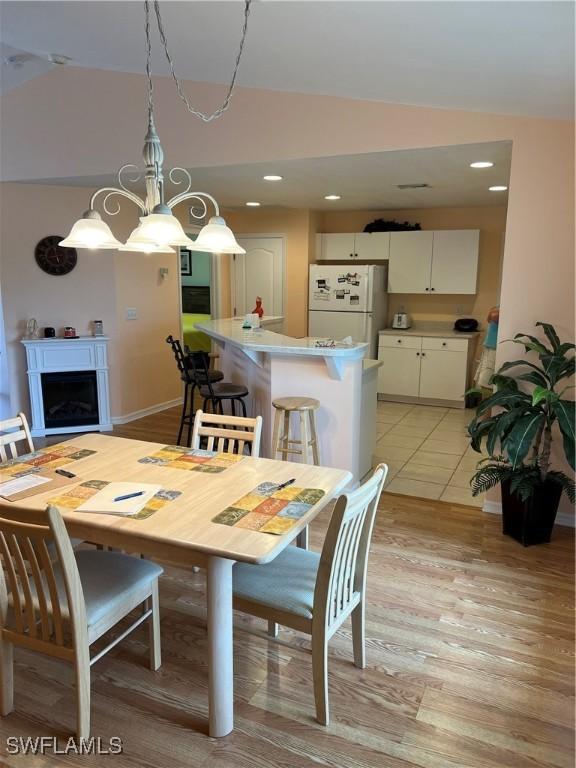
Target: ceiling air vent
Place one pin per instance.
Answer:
(413, 186)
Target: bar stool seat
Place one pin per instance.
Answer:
(307, 445)
(223, 390)
(296, 403)
(213, 377)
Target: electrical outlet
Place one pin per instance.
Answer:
(459, 309)
(131, 313)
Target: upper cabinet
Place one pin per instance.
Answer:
(420, 261)
(410, 262)
(372, 246)
(455, 261)
(440, 261)
(359, 246)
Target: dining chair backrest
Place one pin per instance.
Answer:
(227, 434)
(30, 574)
(178, 354)
(14, 431)
(344, 559)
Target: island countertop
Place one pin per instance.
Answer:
(263, 341)
(271, 365)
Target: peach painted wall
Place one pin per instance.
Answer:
(264, 125)
(148, 374)
(490, 220)
(100, 287)
(295, 224)
(538, 269)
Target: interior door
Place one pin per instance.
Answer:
(258, 272)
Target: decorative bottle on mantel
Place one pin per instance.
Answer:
(258, 309)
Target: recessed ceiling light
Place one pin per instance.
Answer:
(498, 188)
(253, 204)
(482, 164)
(272, 177)
(332, 197)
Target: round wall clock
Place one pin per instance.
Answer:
(53, 258)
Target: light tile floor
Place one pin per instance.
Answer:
(427, 451)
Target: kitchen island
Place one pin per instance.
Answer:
(272, 365)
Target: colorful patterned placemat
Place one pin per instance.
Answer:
(268, 510)
(195, 460)
(76, 496)
(46, 458)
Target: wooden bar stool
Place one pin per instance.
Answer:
(307, 445)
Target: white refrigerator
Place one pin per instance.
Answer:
(348, 300)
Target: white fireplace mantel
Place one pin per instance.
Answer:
(88, 353)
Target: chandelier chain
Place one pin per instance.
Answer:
(149, 58)
(207, 118)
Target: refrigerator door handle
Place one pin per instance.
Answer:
(367, 324)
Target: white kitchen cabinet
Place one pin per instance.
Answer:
(336, 247)
(454, 261)
(400, 373)
(442, 374)
(425, 368)
(359, 246)
(410, 262)
(439, 261)
(372, 246)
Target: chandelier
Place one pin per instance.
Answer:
(158, 228)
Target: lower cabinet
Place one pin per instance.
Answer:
(424, 367)
(400, 374)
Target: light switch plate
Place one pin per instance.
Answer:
(131, 313)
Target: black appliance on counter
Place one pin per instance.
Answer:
(466, 325)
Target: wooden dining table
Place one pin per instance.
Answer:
(182, 531)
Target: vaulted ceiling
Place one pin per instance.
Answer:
(506, 57)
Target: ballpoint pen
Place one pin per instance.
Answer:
(128, 496)
(64, 473)
(286, 484)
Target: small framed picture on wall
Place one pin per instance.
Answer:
(185, 262)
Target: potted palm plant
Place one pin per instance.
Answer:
(530, 405)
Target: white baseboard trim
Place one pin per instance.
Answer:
(146, 411)
(493, 507)
(562, 518)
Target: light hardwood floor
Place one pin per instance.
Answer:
(470, 662)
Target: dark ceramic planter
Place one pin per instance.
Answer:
(532, 521)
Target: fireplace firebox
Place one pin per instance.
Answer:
(70, 399)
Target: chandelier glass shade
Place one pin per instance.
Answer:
(159, 229)
(91, 232)
(163, 229)
(216, 234)
(140, 244)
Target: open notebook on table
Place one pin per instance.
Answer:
(107, 502)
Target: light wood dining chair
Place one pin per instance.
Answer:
(60, 607)
(13, 431)
(227, 434)
(315, 593)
